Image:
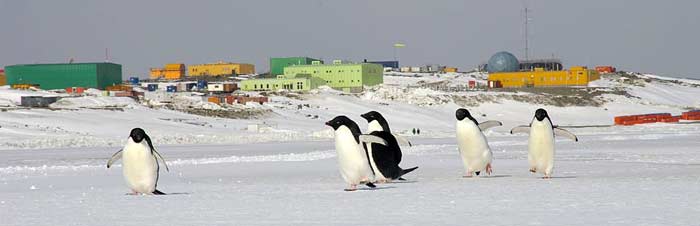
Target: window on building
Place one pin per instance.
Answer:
(268, 86)
(256, 86)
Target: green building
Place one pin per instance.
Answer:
(297, 83)
(277, 65)
(345, 77)
(61, 76)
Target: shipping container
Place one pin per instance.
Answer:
(134, 80)
(472, 84)
(152, 87)
(37, 101)
(214, 99)
(60, 76)
(449, 69)
(202, 84)
(171, 89)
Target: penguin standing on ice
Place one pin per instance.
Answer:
(353, 161)
(473, 147)
(541, 142)
(383, 158)
(140, 163)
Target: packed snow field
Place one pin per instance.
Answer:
(633, 177)
(284, 172)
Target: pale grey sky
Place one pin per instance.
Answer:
(646, 36)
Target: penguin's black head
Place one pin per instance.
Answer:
(462, 113)
(372, 115)
(541, 114)
(137, 134)
(340, 120)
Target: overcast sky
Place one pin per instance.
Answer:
(647, 36)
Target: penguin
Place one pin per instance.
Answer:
(541, 142)
(353, 161)
(383, 160)
(473, 147)
(140, 163)
(376, 122)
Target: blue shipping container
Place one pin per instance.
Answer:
(152, 87)
(171, 89)
(201, 84)
(134, 80)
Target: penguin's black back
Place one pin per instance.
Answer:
(387, 157)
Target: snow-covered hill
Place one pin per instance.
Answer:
(407, 102)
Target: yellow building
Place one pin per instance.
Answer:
(221, 69)
(157, 73)
(575, 76)
(169, 72)
(174, 71)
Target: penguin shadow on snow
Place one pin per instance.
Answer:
(375, 189)
(486, 177)
(173, 193)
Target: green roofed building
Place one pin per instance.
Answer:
(351, 77)
(278, 64)
(61, 76)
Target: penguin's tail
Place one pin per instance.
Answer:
(406, 171)
(156, 192)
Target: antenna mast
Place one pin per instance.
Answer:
(527, 53)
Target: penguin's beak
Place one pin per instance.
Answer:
(328, 123)
(365, 116)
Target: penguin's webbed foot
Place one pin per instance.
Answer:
(401, 178)
(468, 175)
(533, 170)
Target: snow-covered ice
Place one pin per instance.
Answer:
(284, 172)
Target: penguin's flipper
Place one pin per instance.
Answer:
(489, 124)
(365, 138)
(406, 171)
(564, 133)
(520, 129)
(116, 156)
(159, 157)
(402, 140)
(156, 192)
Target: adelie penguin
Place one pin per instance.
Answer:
(541, 142)
(388, 169)
(356, 160)
(140, 163)
(377, 123)
(473, 147)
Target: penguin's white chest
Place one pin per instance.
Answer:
(140, 167)
(352, 159)
(541, 146)
(374, 126)
(473, 147)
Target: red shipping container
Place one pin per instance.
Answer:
(229, 99)
(79, 90)
(472, 84)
